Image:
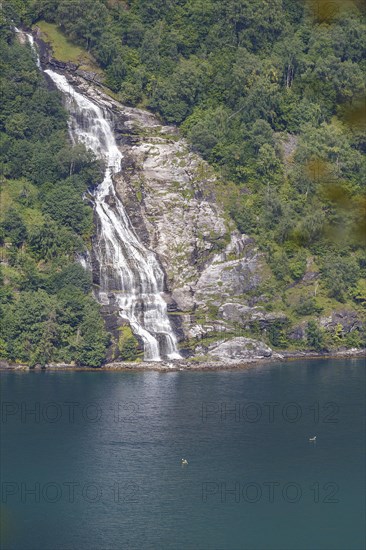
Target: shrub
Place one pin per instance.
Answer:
(314, 336)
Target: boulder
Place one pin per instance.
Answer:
(298, 332)
(237, 349)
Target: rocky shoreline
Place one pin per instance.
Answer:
(185, 365)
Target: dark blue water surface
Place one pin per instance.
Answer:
(110, 476)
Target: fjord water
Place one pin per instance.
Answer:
(129, 274)
(123, 447)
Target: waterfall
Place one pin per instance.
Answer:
(33, 46)
(129, 274)
(30, 39)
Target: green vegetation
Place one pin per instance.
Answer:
(314, 336)
(46, 308)
(127, 344)
(270, 92)
(64, 49)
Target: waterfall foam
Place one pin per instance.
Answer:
(130, 274)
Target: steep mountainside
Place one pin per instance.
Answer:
(253, 203)
(217, 280)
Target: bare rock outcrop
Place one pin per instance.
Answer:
(348, 320)
(236, 349)
(246, 315)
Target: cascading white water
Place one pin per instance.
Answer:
(33, 46)
(129, 273)
(30, 39)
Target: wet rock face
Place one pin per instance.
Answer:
(170, 196)
(167, 189)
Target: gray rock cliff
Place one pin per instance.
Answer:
(170, 195)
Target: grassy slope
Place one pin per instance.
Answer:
(64, 50)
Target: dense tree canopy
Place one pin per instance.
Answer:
(46, 310)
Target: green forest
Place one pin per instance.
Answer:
(47, 311)
(270, 92)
